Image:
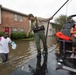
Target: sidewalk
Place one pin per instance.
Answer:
(46, 65)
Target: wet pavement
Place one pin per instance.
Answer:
(46, 65)
(23, 60)
(25, 51)
(18, 57)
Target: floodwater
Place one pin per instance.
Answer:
(24, 52)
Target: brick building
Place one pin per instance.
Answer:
(14, 21)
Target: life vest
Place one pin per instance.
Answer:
(74, 29)
(62, 36)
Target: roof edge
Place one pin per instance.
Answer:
(7, 9)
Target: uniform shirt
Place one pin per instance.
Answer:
(4, 44)
(33, 24)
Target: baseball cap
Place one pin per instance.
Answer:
(30, 15)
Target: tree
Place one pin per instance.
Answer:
(61, 20)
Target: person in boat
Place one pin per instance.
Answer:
(73, 34)
(65, 34)
(38, 29)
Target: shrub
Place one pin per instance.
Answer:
(1, 33)
(31, 35)
(18, 35)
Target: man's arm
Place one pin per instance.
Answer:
(45, 19)
(30, 30)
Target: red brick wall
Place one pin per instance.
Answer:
(8, 21)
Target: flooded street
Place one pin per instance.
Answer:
(25, 51)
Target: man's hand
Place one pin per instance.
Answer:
(51, 18)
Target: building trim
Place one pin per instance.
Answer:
(10, 10)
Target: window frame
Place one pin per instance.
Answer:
(15, 17)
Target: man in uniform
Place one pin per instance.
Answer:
(38, 29)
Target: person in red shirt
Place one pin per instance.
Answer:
(73, 33)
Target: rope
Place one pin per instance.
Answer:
(53, 16)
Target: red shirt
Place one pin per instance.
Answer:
(74, 29)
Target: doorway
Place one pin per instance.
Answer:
(7, 29)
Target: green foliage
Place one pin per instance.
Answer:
(18, 35)
(31, 35)
(1, 33)
(61, 20)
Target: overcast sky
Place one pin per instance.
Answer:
(41, 8)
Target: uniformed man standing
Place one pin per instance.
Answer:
(38, 29)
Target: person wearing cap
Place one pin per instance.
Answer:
(4, 47)
(38, 29)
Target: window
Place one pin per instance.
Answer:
(22, 30)
(21, 19)
(16, 17)
(15, 29)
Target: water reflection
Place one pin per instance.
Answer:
(17, 57)
(41, 69)
(51, 40)
(24, 51)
